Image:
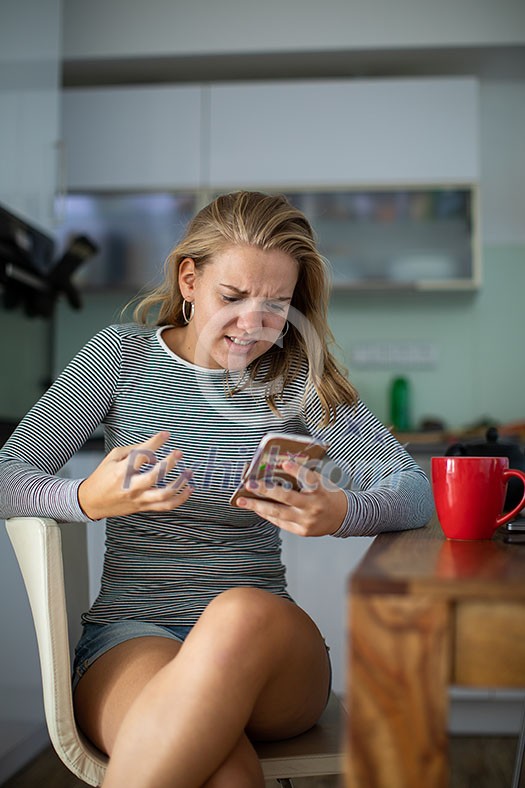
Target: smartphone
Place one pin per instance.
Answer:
(515, 527)
(266, 464)
(514, 532)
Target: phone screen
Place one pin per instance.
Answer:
(273, 451)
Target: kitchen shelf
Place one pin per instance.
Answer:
(386, 238)
(421, 238)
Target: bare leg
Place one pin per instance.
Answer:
(107, 690)
(254, 661)
(241, 768)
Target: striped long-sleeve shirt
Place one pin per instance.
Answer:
(166, 567)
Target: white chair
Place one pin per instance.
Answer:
(38, 546)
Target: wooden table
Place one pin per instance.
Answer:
(426, 613)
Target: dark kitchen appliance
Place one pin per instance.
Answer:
(32, 279)
(492, 447)
(29, 276)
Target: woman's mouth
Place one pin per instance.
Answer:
(239, 345)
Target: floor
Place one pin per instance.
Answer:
(476, 763)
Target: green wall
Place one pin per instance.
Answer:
(478, 337)
(24, 346)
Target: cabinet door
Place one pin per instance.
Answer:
(377, 238)
(317, 572)
(29, 107)
(132, 138)
(368, 131)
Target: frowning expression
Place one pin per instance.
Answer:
(241, 301)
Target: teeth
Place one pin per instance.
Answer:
(241, 341)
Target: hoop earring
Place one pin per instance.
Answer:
(184, 311)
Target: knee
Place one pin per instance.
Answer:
(245, 597)
(249, 612)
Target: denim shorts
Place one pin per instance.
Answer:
(96, 639)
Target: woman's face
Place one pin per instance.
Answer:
(241, 301)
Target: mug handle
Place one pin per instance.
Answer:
(505, 518)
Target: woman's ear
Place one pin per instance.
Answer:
(187, 275)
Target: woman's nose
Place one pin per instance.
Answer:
(250, 319)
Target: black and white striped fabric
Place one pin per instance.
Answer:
(166, 567)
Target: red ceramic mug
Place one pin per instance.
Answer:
(469, 493)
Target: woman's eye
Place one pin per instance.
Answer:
(271, 306)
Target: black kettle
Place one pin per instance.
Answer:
(493, 448)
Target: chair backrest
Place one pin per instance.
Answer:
(38, 547)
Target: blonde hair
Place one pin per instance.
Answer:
(267, 222)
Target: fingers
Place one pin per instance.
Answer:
(170, 497)
(281, 493)
(147, 487)
(152, 498)
(131, 459)
(155, 442)
(309, 482)
(274, 502)
(146, 448)
(156, 474)
(120, 484)
(284, 516)
(308, 479)
(314, 511)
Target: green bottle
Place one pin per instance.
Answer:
(400, 404)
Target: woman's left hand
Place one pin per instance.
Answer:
(317, 510)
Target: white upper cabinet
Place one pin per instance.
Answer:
(133, 138)
(29, 107)
(386, 169)
(315, 133)
(344, 132)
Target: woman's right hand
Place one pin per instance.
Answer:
(117, 486)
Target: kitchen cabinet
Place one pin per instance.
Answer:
(421, 238)
(424, 238)
(132, 138)
(279, 134)
(386, 170)
(343, 132)
(29, 108)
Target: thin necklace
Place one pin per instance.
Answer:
(228, 390)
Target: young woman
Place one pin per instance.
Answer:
(193, 647)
